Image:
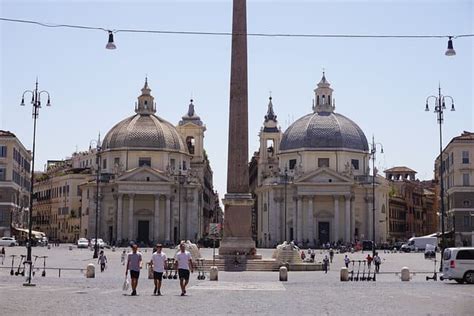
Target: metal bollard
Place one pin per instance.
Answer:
(405, 274)
(214, 273)
(344, 274)
(90, 271)
(283, 274)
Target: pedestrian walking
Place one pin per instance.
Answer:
(183, 264)
(347, 261)
(122, 257)
(134, 264)
(377, 262)
(2, 253)
(313, 255)
(331, 254)
(325, 263)
(102, 261)
(369, 260)
(303, 255)
(158, 260)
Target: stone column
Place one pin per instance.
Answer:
(119, 217)
(353, 218)
(168, 217)
(293, 218)
(299, 218)
(347, 219)
(196, 216)
(309, 219)
(156, 219)
(336, 218)
(130, 216)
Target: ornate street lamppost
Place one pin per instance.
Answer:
(439, 107)
(373, 151)
(284, 177)
(97, 191)
(181, 179)
(36, 102)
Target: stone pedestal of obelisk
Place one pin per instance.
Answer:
(238, 201)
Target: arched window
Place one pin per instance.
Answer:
(190, 142)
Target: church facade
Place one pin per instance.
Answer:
(155, 181)
(313, 183)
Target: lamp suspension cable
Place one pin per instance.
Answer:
(307, 35)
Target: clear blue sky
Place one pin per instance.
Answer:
(380, 84)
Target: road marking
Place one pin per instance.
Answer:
(240, 286)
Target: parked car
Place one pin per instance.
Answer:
(458, 264)
(367, 245)
(8, 242)
(100, 243)
(398, 245)
(82, 243)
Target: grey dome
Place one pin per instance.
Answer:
(144, 131)
(324, 130)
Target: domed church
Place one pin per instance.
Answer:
(156, 180)
(312, 183)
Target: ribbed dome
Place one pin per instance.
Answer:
(324, 130)
(144, 131)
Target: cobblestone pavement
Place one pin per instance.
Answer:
(238, 293)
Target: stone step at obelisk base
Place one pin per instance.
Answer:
(261, 265)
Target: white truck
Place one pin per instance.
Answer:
(419, 243)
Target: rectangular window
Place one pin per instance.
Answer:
(355, 164)
(3, 174)
(116, 161)
(467, 222)
(144, 161)
(465, 157)
(465, 179)
(184, 165)
(292, 164)
(3, 151)
(172, 164)
(323, 162)
(452, 158)
(104, 164)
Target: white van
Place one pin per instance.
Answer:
(419, 243)
(458, 264)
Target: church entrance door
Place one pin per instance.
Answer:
(323, 229)
(143, 231)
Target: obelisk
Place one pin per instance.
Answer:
(238, 201)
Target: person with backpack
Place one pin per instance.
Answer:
(102, 261)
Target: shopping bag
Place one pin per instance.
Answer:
(126, 284)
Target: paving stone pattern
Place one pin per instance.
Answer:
(236, 293)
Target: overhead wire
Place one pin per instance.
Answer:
(395, 36)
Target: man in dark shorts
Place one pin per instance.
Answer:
(134, 264)
(183, 264)
(158, 260)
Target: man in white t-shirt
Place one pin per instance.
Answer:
(183, 264)
(158, 260)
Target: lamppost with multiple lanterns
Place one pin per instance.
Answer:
(36, 102)
(373, 151)
(180, 177)
(439, 107)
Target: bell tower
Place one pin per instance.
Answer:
(270, 137)
(192, 130)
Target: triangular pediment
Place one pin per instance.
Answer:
(324, 175)
(143, 174)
